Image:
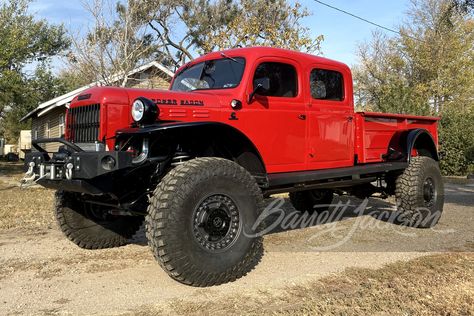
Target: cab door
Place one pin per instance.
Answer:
(276, 118)
(330, 118)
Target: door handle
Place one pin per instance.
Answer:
(302, 117)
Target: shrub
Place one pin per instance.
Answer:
(456, 133)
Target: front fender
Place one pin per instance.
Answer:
(232, 136)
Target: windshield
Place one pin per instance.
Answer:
(222, 73)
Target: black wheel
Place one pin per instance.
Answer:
(92, 227)
(200, 222)
(311, 200)
(420, 193)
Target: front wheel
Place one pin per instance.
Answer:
(91, 226)
(200, 222)
(420, 193)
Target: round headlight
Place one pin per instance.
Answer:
(138, 110)
(144, 110)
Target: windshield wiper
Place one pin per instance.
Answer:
(231, 58)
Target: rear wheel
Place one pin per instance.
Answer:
(91, 226)
(200, 222)
(312, 200)
(420, 193)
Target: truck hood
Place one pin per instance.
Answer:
(173, 106)
(122, 96)
(182, 106)
(176, 98)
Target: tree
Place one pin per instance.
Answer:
(381, 81)
(25, 43)
(216, 25)
(427, 69)
(176, 31)
(432, 60)
(114, 45)
(43, 85)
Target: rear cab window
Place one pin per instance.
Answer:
(326, 85)
(283, 79)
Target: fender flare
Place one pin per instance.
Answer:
(175, 126)
(421, 134)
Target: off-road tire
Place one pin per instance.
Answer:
(171, 230)
(89, 232)
(308, 201)
(412, 195)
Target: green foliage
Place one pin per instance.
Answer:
(207, 25)
(128, 33)
(250, 23)
(427, 69)
(24, 39)
(41, 87)
(457, 141)
(25, 44)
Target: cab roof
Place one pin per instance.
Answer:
(252, 53)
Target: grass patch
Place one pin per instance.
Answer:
(30, 208)
(438, 284)
(13, 170)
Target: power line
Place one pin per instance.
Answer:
(365, 20)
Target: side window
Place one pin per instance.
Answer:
(327, 85)
(282, 77)
(46, 130)
(61, 125)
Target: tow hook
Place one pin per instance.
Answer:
(29, 177)
(68, 172)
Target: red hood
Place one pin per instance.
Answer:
(114, 95)
(176, 98)
(182, 106)
(173, 106)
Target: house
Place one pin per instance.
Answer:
(48, 119)
(24, 143)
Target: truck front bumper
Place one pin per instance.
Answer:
(72, 169)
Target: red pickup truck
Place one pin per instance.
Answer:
(195, 162)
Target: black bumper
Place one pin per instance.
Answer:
(72, 169)
(80, 186)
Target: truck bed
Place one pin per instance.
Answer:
(376, 132)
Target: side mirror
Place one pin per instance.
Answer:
(260, 85)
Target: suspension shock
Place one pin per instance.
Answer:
(180, 156)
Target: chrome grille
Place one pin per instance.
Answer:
(83, 123)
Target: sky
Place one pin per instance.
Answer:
(342, 33)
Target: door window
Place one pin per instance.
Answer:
(327, 85)
(282, 77)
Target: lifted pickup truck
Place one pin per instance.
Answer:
(195, 162)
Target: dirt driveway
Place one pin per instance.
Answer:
(43, 273)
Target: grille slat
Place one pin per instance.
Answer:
(83, 123)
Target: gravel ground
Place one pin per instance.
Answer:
(42, 273)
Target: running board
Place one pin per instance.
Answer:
(336, 184)
(356, 173)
